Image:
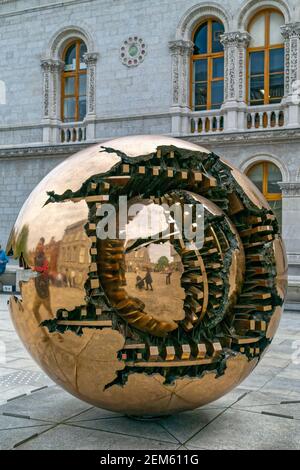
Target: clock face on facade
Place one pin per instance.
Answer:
(145, 316)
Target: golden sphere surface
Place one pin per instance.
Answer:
(142, 326)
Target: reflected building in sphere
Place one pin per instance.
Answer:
(73, 259)
(224, 75)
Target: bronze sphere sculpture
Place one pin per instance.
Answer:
(138, 325)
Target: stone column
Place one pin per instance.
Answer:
(51, 98)
(234, 106)
(290, 216)
(291, 100)
(181, 52)
(46, 65)
(90, 59)
(291, 237)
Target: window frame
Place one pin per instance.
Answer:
(265, 180)
(209, 56)
(77, 73)
(266, 48)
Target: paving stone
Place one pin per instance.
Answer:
(22, 363)
(269, 361)
(258, 402)
(8, 394)
(258, 399)
(94, 414)
(11, 437)
(228, 399)
(258, 378)
(6, 371)
(236, 429)
(184, 425)
(51, 404)
(291, 373)
(71, 437)
(24, 377)
(149, 429)
(283, 386)
(15, 421)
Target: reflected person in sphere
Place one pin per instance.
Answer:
(168, 277)
(3, 261)
(148, 279)
(139, 283)
(41, 266)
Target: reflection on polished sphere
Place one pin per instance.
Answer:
(138, 316)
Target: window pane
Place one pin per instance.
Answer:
(70, 59)
(200, 94)
(256, 176)
(82, 108)
(218, 67)
(82, 84)
(200, 40)
(69, 86)
(257, 63)
(274, 176)
(276, 60)
(257, 90)
(257, 31)
(276, 87)
(217, 92)
(82, 51)
(276, 20)
(69, 109)
(201, 70)
(217, 30)
(276, 207)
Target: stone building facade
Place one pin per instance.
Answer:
(136, 73)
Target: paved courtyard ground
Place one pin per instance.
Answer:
(263, 413)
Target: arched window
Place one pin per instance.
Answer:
(265, 81)
(266, 176)
(207, 87)
(74, 82)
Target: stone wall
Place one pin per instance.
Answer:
(18, 177)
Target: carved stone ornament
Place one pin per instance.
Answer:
(236, 38)
(181, 47)
(291, 35)
(290, 30)
(133, 51)
(290, 189)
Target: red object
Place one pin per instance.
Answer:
(42, 269)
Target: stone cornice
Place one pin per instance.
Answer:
(290, 30)
(52, 64)
(247, 138)
(36, 8)
(54, 151)
(236, 38)
(181, 47)
(290, 189)
(90, 58)
(241, 138)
